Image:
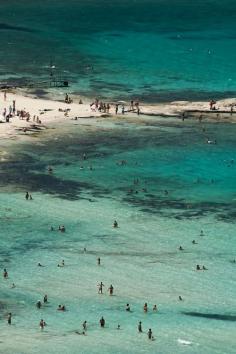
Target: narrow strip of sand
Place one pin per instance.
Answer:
(43, 112)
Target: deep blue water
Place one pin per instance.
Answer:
(154, 49)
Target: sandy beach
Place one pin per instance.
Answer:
(53, 113)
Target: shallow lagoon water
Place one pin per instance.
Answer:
(140, 258)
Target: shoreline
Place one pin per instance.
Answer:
(51, 113)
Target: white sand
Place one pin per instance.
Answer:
(35, 106)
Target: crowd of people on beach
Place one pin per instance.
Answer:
(119, 107)
(11, 112)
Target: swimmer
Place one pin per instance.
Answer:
(30, 197)
(50, 169)
(210, 141)
(85, 249)
(13, 286)
(62, 264)
(102, 322)
(140, 330)
(181, 248)
(111, 289)
(40, 265)
(100, 287)
(198, 267)
(61, 308)
(145, 308)
(99, 261)
(5, 273)
(201, 233)
(51, 228)
(180, 298)
(127, 308)
(204, 268)
(154, 308)
(45, 298)
(84, 325)
(118, 326)
(9, 316)
(82, 333)
(194, 242)
(115, 224)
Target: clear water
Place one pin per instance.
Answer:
(140, 258)
(153, 49)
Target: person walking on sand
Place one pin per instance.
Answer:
(100, 287)
(14, 106)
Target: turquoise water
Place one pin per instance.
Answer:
(154, 49)
(140, 258)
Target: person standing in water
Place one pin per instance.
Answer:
(9, 316)
(150, 334)
(42, 324)
(5, 273)
(38, 304)
(45, 298)
(140, 330)
(27, 195)
(111, 289)
(127, 308)
(85, 325)
(102, 322)
(99, 261)
(100, 287)
(145, 308)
